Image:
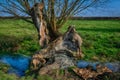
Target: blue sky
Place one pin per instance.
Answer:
(109, 9)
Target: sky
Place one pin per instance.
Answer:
(109, 9)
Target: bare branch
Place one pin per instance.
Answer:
(64, 16)
(81, 8)
(56, 11)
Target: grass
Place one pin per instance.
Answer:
(101, 38)
(18, 36)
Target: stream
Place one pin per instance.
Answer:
(19, 64)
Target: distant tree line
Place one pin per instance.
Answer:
(71, 18)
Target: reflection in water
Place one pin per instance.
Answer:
(115, 67)
(20, 64)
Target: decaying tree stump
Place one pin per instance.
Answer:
(59, 54)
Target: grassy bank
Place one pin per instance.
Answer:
(17, 36)
(101, 38)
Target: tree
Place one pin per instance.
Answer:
(54, 12)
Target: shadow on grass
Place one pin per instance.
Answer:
(26, 44)
(9, 43)
(100, 29)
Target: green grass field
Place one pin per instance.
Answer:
(101, 41)
(101, 38)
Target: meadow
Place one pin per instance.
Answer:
(101, 38)
(101, 41)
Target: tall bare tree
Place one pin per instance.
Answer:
(55, 12)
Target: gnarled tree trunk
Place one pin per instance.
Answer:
(47, 30)
(59, 54)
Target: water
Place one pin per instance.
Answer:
(115, 67)
(20, 64)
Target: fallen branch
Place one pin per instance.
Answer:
(87, 73)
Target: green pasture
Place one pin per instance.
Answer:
(101, 38)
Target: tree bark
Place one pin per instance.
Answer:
(59, 54)
(47, 30)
